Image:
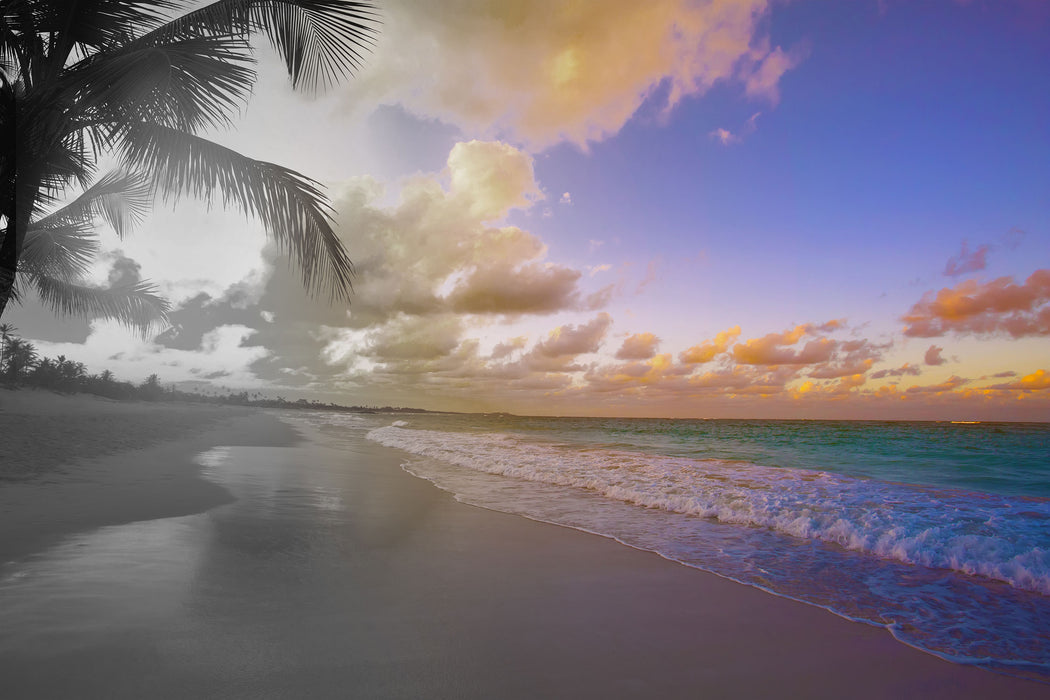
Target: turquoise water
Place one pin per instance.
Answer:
(939, 532)
(1004, 458)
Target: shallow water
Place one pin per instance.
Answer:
(938, 532)
(244, 597)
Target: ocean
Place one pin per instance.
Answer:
(937, 531)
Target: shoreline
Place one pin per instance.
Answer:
(385, 585)
(71, 464)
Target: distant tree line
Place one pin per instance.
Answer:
(21, 365)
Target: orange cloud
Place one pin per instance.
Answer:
(999, 306)
(706, 351)
(951, 384)
(640, 346)
(771, 349)
(1036, 381)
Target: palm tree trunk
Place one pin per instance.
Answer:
(17, 224)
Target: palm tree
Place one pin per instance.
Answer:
(6, 329)
(21, 358)
(134, 78)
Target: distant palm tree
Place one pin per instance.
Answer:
(21, 357)
(80, 79)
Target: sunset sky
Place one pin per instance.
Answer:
(734, 208)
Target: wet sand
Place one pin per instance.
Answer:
(75, 463)
(323, 570)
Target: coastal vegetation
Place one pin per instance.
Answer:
(21, 366)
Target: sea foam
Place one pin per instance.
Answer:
(999, 537)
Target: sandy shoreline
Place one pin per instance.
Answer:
(75, 463)
(403, 592)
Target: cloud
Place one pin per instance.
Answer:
(727, 137)
(967, 261)
(724, 136)
(223, 351)
(507, 347)
(933, 356)
(951, 384)
(706, 351)
(531, 288)
(1036, 381)
(566, 198)
(122, 269)
(764, 80)
(492, 177)
(999, 306)
(772, 349)
(640, 346)
(570, 340)
(905, 369)
(650, 275)
(540, 73)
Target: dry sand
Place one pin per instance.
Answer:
(438, 599)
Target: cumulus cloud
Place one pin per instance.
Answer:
(433, 251)
(773, 348)
(570, 340)
(530, 288)
(933, 356)
(640, 346)
(706, 351)
(967, 261)
(492, 177)
(122, 269)
(999, 306)
(540, 73)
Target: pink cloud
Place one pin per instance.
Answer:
(999, 306)
(933, 356)
(967, 261)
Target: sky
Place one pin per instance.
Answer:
(677, 208)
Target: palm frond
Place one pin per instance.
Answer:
(320, 41)
(99, 23)
(188, 83)
(121, 197)
(291, 207)
(61, 251)
(136, 305)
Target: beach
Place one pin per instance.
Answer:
(191, 551)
